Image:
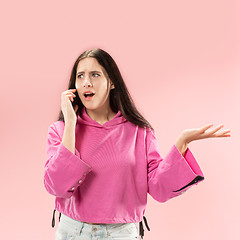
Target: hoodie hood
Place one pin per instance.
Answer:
(86, 120)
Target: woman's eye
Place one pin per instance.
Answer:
(94, 74)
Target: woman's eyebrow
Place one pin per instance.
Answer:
(90, 72)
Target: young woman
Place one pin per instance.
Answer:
(103, 156)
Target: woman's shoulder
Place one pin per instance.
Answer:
(149, 130)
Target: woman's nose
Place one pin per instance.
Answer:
(87, 81)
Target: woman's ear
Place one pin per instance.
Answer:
(112, 86)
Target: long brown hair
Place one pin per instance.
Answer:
(120, 98)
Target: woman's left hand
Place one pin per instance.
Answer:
(189, 135)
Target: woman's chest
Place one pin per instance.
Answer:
(105, 149)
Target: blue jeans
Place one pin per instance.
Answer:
(71, 229)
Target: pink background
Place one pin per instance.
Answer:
(180, 61)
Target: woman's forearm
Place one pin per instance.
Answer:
(68, 139)
(181, 145)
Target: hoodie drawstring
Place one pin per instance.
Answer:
(141, 230)
(53, 217)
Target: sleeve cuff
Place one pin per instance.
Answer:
(190, 159)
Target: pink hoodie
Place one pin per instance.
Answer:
(114, 166)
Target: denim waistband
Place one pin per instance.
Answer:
(78, 223)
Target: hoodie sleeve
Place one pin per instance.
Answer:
(63, 170)
(173, 175)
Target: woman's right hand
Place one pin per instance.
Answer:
(66, 105)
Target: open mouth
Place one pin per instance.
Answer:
(88, 96)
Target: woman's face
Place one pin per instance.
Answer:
(91, 76)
